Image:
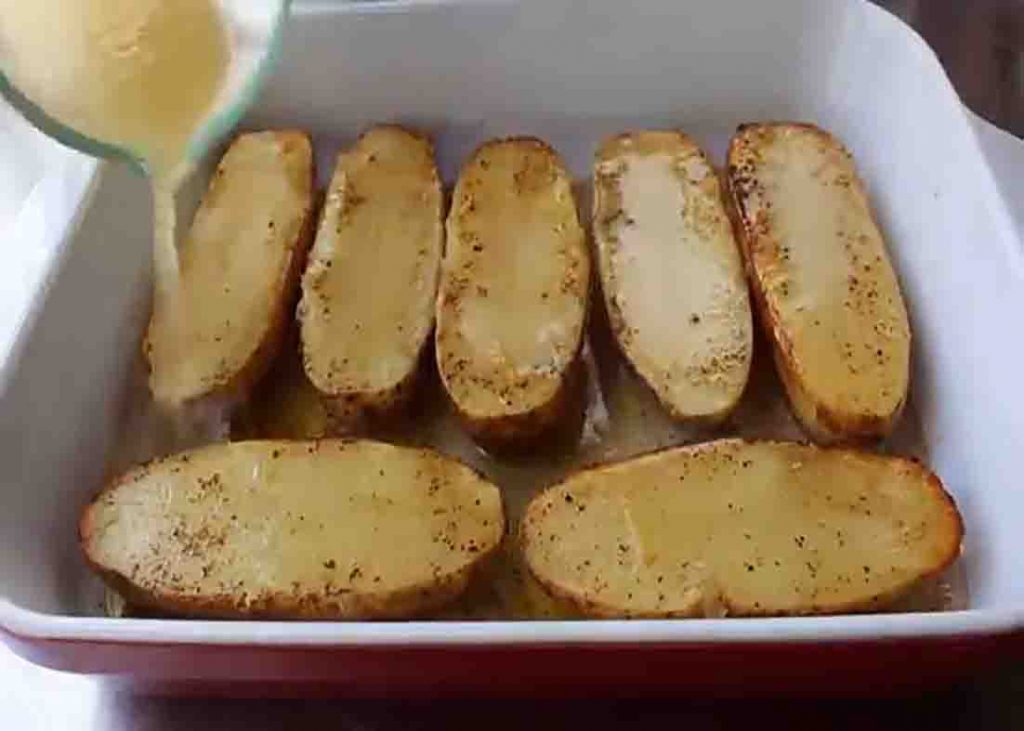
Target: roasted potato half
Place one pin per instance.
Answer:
(827, 293)
(671, 272)
(368, 293)
(741, 528)
(286, 529)
(513, 296)
(217, 332)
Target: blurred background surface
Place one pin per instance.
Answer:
(981, 44)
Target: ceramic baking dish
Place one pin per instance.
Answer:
(569, 72)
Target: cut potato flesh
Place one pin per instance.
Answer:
(368, 293)
(742, 528)
(671, 272)
(514, 287)
(819, 269)
(331, 529)
(240, 265)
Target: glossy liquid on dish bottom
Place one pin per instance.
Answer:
(140, 75)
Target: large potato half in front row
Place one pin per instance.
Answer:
(277, 529)
(742, 528)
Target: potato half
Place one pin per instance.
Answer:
(240, 264)
(368, 293)
(671, 272)
(513, 296)
(741, 528)
(827, 293)
(280, 529)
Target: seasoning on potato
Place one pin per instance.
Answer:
(827, 293)
(513, 297)
(671, 272)
(219, 331)
(741, 528)
(280, 529)
(368, 294)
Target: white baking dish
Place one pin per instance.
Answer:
(569, 72)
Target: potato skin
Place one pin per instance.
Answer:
(355, 413)
(409, 603)
(825, 416)
(171, 582)
(786, 538)
(518, 426)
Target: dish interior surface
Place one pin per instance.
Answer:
(571, 73)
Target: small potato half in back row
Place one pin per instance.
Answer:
(671, 272)
(514, 290)
(367, 306)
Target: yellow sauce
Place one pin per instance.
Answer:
(140, 75)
